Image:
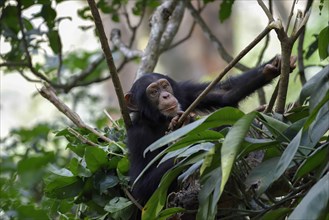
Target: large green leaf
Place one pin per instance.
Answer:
(95, 158)
(261, 177)
(277, 214)
(210, 187)
(315, 202)
(288, 155)
(223, 116)
(232, 143)
(225, 10)
(324, 43)
(316, 159)
(316, 88)
(157, 201)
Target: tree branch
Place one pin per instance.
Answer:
(158, 24)
(206, 30)
(172, 26)
(110, 62)
(48, 92)
(127, 52)
(225, 70)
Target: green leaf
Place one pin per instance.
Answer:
(104, 182)
(31, 212)
(316, 88)
(315, 202)
(123, 165)
(34, 163)
(261, 177)
(116, 204)
(157, 201)
(324, 102)
(316, 159)
(277, 214)
(287, 155)
(223, 116)
(232, 143)
(78, 169)
(324, 43)
(55, 41)
(225, 10)
(95, 158)
(62, 187)
(210, 191)
(165, 214)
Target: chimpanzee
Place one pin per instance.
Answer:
(156, 99)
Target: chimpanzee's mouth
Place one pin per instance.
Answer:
(170, 108)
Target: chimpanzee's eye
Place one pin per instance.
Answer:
(154, 92)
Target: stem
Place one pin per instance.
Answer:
(224, 71)
(110, 62)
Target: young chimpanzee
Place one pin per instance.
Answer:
(156, 99)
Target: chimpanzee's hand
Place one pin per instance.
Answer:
(271, 70)
(174, 122)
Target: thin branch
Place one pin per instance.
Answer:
(81, 138)
(300, 57)
(266, 10)
(48, 92)
(110, 62)
(225, 70)
(14, 64)
(28, 78)
(303, 23)
(25, 45)
(128, 194)
(60, 59)
(206, 30)
(290, 15)
(77, 79)
(111, 119)
(127, 52)
(271, 103)
(158, 24)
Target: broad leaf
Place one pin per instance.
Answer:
(315, 202)
(232, 143)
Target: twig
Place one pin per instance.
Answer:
(48, 92)
(25, 45)
(14, 64)
(75, 81)
(111, 119)
(80, 137)
(28, 78)
(266, 11)
(271, 103)
(132, 199)
(110, 62)
(290, 15)
(206, 30)
(225, 70)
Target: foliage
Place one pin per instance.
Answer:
(257, 165)
(294, 149)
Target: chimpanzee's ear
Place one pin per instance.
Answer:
(130, 104)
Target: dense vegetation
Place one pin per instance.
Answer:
(262, 165)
